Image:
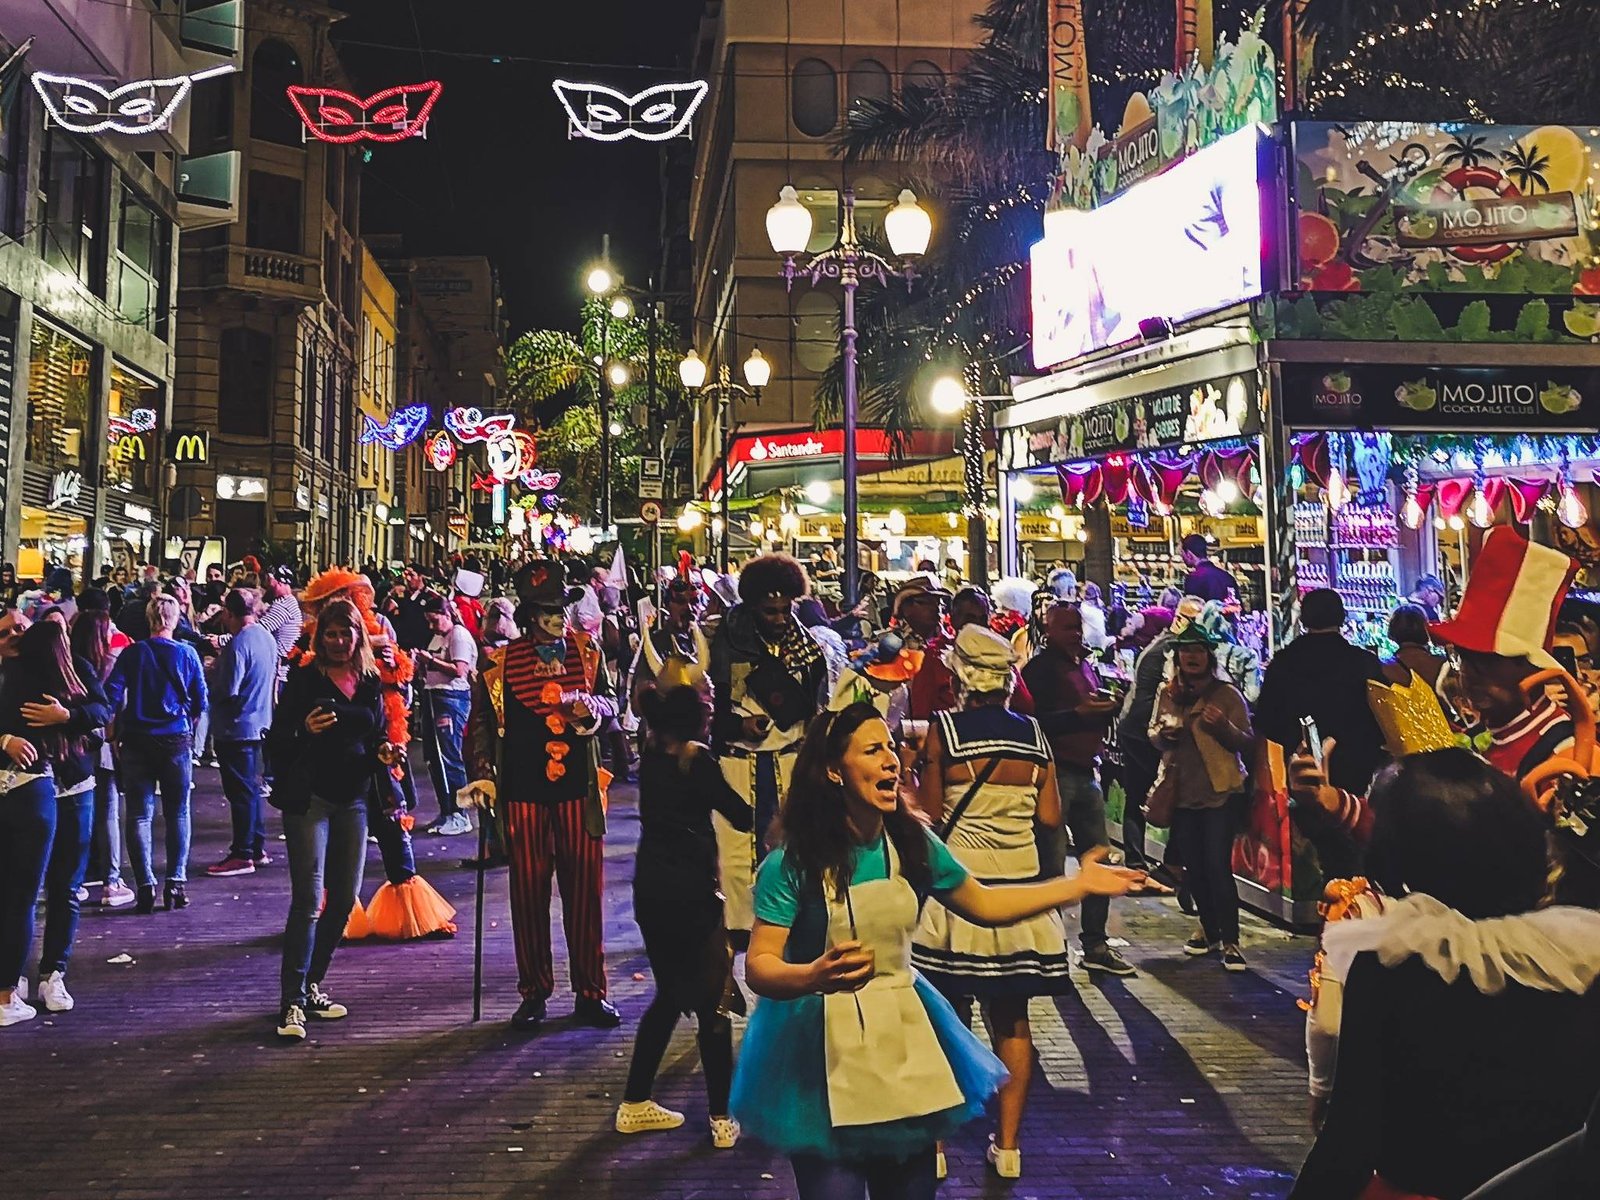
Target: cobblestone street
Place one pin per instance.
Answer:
(166, 1082)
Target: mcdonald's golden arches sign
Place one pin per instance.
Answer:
(189, 446)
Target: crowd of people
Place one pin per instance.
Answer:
(884, 809)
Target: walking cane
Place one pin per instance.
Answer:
(484, 817)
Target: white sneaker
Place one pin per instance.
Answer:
(1006, 1163)
(645, 1116)
(21, 990)
(724, 1133)
(456, 823)
(320, 1004)
(53, 993)
(117, 895)
(17, 1011)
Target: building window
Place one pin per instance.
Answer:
(130, 459)
(244, 383)
(144, 248)
(816, 330)
(69, 205)
(823, 204)
(815, 97)
(308, 396)
(868, 80)
(272, 214)
(272, 118)
(211, 115)
(330, 410)
(922, 75)
(60, 384)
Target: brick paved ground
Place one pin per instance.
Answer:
(166, 1082)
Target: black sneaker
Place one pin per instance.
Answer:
(599, 1013)
(529, 1015)
(1233, 958)
(320, 1004)
(292, 1023)
(1198, 944)
(1104, 957)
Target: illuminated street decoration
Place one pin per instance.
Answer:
(439, 450)
(392, 115)
(541, 481)
(143, 106)
(470, 425)
(483, 483)
(512, 453)
(605, 115)
(404, 426)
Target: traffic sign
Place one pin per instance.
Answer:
(650, 512)
(651, 479)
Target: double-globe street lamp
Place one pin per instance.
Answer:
(757, 373)
(908, 228)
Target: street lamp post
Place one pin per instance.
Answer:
(757, 372)
(950, 396)
(789, 229)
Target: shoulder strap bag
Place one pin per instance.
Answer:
(978, 780)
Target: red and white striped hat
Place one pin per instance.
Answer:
(1510, 603)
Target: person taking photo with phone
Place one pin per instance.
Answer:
(327, 744)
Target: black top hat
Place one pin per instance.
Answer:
(543, 582)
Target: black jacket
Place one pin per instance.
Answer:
(337, 765)
(1322, 676)
(91, 713)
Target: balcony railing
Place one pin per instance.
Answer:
(266, 272)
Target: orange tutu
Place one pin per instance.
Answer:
(412, 909)
(357, 927)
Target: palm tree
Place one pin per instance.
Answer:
(1525, 166)
(554, 373)
(1467, 150)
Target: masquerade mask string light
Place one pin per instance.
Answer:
(603, 114)
(392, 115)
(144, 106)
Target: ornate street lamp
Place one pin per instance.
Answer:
(908, 228)
(757, 374)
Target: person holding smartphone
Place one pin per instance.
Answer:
(327, 742)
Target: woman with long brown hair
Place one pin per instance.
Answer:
(97, 642)
(327, 743)
(49, 713)
(853, 1064)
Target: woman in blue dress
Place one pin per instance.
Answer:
(852, 1064)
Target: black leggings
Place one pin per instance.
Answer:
(1204, 837)
(706, 979)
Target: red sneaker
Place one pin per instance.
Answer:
(232, 866)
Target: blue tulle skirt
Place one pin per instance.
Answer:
(780, 1089)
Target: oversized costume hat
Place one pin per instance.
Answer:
(1510, 603)
(544, 582)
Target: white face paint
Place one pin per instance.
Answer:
(552, 623)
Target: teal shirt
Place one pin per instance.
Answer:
(779, 892)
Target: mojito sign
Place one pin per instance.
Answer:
(1069, 76)
(1416, 396)
(1482, 230)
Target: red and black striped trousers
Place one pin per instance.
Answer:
(546, 840)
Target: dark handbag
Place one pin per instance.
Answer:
(978, 780)
(783, 697)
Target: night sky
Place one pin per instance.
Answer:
(497, 175)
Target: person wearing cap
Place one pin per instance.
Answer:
(771, 678)
(1201, 725)
(533, 757)
(917, 614)
(1076, 714)
(988, 778)
(1141, 758)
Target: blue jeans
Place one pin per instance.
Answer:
(240, 765)
(911, 1178)
(105, 847)
(27, 827)
(447, 722)
(148, 763)
(1083, 806)
(327, 847)
(69, 859)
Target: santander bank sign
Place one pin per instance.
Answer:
(768, 449)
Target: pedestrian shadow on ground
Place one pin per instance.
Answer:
(1236, 1001)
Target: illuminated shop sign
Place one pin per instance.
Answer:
(189, 447)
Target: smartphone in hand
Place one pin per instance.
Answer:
(1313, 739)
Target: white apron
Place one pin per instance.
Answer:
(884, 1061)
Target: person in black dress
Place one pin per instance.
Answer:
(678, 905)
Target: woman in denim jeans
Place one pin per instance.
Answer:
(46, 716)
(327, 745)
(159, 689)
(97, 642)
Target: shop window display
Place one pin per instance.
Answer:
(60, 384)
(133, 408)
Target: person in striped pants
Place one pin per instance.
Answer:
(534, 758)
